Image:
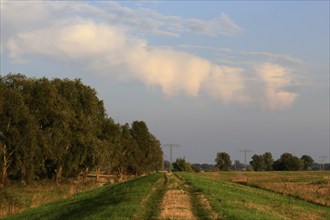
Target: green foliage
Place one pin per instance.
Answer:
(257, 162)
(262, 162)
(182, 165)
(288, 162)
(223, 161)
(167, 165)
(307, 161)
(59, 127)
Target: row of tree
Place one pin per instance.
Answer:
(59, 127)
(265, 162)
(262, 162)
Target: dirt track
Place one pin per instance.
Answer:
(176, 203)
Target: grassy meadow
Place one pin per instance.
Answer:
(126, 200)
(231, 196)
(309, 186)
(218, 195)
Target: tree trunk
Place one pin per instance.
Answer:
(85, 174)
(120, 174)
(4, 179)
(97, 174)
(58, 174)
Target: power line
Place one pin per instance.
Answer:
(171, 151)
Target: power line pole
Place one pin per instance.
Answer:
(171, 151)
(245, 152)
(322, 158)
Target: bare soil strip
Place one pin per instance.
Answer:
(176, 202)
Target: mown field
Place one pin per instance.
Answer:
(231, 196)
(310, 186)
(221, 195)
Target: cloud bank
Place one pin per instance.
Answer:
(103, 46)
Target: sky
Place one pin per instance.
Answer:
(211, 76)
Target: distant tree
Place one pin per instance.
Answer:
(181, 165)
(196, 167)
(208, 167)
(262, 162)
(288, 162)
(258, 163)
(167, 165)
(307, 161)
(223, 161)
(268, 161)
(238, 165)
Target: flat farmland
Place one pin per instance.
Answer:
(310, 186)
(265, 195)
(181, 195)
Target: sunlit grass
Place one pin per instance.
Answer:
(310, 186)
(236, 201)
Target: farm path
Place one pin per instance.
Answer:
(176, 203)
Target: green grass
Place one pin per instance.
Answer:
(117, 201)
(141, 198)
(198, 208)
(305, 185)
(152, 204)
(236, 201)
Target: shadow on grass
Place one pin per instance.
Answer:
(110, 202)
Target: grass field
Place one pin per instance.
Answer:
(310, 186)
(18, 197)
(127, 200)
(232, 200)
(221, 195)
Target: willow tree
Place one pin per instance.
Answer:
(17, 129)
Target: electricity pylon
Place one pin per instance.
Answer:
(245, 152)
(171, 151)
(322, 159)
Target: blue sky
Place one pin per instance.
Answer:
(211, 76)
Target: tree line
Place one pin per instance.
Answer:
(265, 162)
(59, 128)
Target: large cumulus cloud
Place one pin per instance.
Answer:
(91, 41)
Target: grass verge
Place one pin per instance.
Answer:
(18, 197)
(117, 201)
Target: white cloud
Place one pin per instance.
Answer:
(276, 78)
(153, 22)
(102, 47)
(94, 45)
(173, 71)
(227, 83)
(220, 25)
